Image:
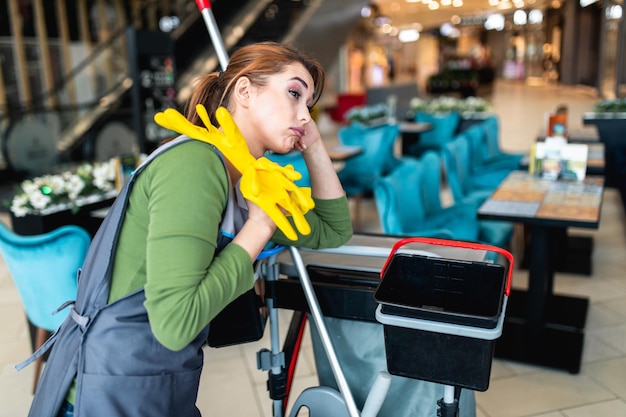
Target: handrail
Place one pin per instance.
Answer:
(99, 84)
(70, 76)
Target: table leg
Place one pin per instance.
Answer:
(408, 140)
(539, 277)
(542, 328)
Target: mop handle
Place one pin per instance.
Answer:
(209, 20)
(317, 315)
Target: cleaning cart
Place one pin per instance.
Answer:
(442, 307)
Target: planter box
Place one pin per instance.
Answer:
(612, 131)
(33, 224)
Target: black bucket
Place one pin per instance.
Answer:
(441, 317)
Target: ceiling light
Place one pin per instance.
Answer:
(614, 12)
(408, 35)
(495, 22)
(450, 31)
(535, 16)
(433, 5)
(386, 28)
(519, 17)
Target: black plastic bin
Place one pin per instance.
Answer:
(441, 317)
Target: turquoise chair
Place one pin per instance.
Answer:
(480, 150)
(495, 233)
(359, 173)
(485, 173)
(378, 153)
(470, 190)
(407, 201)
(492, 151)
(444, 127)
(296, 160)
(463, 185)
(44, 269)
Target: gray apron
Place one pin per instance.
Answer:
(119, 366)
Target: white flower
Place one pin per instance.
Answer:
(57, 183)
(29, 187)
(68, 189)
(39, 200)
(104, 175)
(74, 186)
(446, 104)
(19, 205)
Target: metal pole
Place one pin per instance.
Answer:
(316, 313)
(209, 20)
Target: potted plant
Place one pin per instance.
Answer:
(44, 203)
(469, 107)
(369, 115)
(609, 117)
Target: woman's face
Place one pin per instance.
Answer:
(280, 111)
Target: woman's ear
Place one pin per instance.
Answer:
(242, 91)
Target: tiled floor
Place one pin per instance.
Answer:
(232, 385)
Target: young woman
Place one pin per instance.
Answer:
(132, 346)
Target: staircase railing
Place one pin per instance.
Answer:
(100, 85)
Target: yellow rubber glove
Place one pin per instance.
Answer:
(265, 183)
(230, 142)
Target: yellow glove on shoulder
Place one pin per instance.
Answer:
(263, 182)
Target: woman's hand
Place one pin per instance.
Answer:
(256, 231)
(259, 217)
(311, 137)
(324, 182)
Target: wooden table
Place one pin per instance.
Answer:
(579, 249)
(541, 327)
(341, 153)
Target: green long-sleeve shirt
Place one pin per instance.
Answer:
(169, 236)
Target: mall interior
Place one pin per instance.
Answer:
(80, 81)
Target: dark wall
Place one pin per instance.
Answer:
(581, 43)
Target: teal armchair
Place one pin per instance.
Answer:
(464, 186)
(444, 126)
(377, 159)
(44, 269)
(473, 189)
(493, 153)
(481, 151)
(408, 203)
(360, 173)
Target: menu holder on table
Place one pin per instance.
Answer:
(555, 158)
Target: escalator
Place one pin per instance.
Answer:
(104, 107)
